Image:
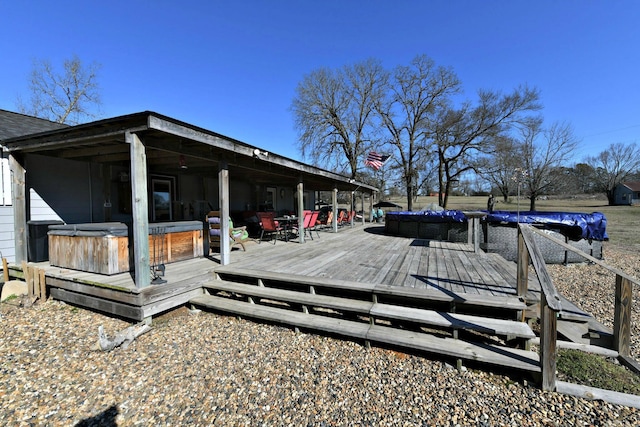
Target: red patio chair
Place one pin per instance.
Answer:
(306, 223)
(313, 224)
(269, 225)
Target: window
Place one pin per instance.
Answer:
(162, 198)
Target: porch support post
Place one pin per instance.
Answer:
(622, 316)
(19, 200)
(334, 204)
(362, 207)
(223, 194)
(301, 231)
(371, 197)
(522, 269)
(548, 337)
(351, 207)
(140, 210)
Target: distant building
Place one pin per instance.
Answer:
(627, 193)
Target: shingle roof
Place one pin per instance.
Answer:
(632, 185)
(16, 124)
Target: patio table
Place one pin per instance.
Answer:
(286, 221)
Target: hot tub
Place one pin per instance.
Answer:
(499, 233)
(450, 225)
(583, 231)
(104, 247)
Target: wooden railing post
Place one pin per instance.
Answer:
(548, 330)
(523, 266)
(622, 316)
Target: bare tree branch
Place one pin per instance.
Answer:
(71, 97)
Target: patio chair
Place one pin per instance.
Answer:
(327, 221)
(237, 235)
(306, 223)
(269, 225)
(313, 224)
(342, 217)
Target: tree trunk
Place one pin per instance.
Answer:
(409, 197)
(532, 203)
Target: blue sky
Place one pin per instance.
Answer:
(232, 66)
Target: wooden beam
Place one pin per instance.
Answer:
(227, 144)
(223, 196)
(140, 205)
(548, 351)
(300, 190)
(334, 204)
(19, 200)
(622, 316)
(522, 269)
(537, 259)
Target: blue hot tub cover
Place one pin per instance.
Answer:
(574, 225)
(428, 216)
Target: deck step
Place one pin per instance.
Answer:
(509, 303)
(508, 328)
(485, 325)
(303, 298)
(485, 353)
(280, 315)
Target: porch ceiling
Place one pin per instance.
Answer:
(166, 140)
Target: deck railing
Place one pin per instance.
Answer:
(550, 305)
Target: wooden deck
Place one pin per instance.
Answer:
(365, 254)
(361, 254)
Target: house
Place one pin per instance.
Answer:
(14, 125)
(627, 193)
(146, 168)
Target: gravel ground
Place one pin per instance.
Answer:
(208, 369)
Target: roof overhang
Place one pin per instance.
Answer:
(167, 141)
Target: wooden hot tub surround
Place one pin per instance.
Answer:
(104, 248)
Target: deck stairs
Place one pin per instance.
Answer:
(465, 327)
(579, 327)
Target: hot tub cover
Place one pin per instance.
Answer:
(429, 216)
(97, 229)
(574, 225)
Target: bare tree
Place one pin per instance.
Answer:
(72, 96)
(499, 167)
(417, 92)
(613, 166)
(333, 114)
(465, 132)
(544, 152)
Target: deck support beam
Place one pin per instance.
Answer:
(334, 204)
(223, 195)
(19, 200)
(548, 351)
(140, 210)
(300, 208)
(622, 316)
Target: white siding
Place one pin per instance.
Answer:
(40, 211)
(5, 183)
(7, 244)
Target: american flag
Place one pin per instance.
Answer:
(376, 160)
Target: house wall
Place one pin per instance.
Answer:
(69, 193)
(624, 196)
(7, 242)
(6, 213)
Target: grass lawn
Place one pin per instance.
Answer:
(623, 222)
